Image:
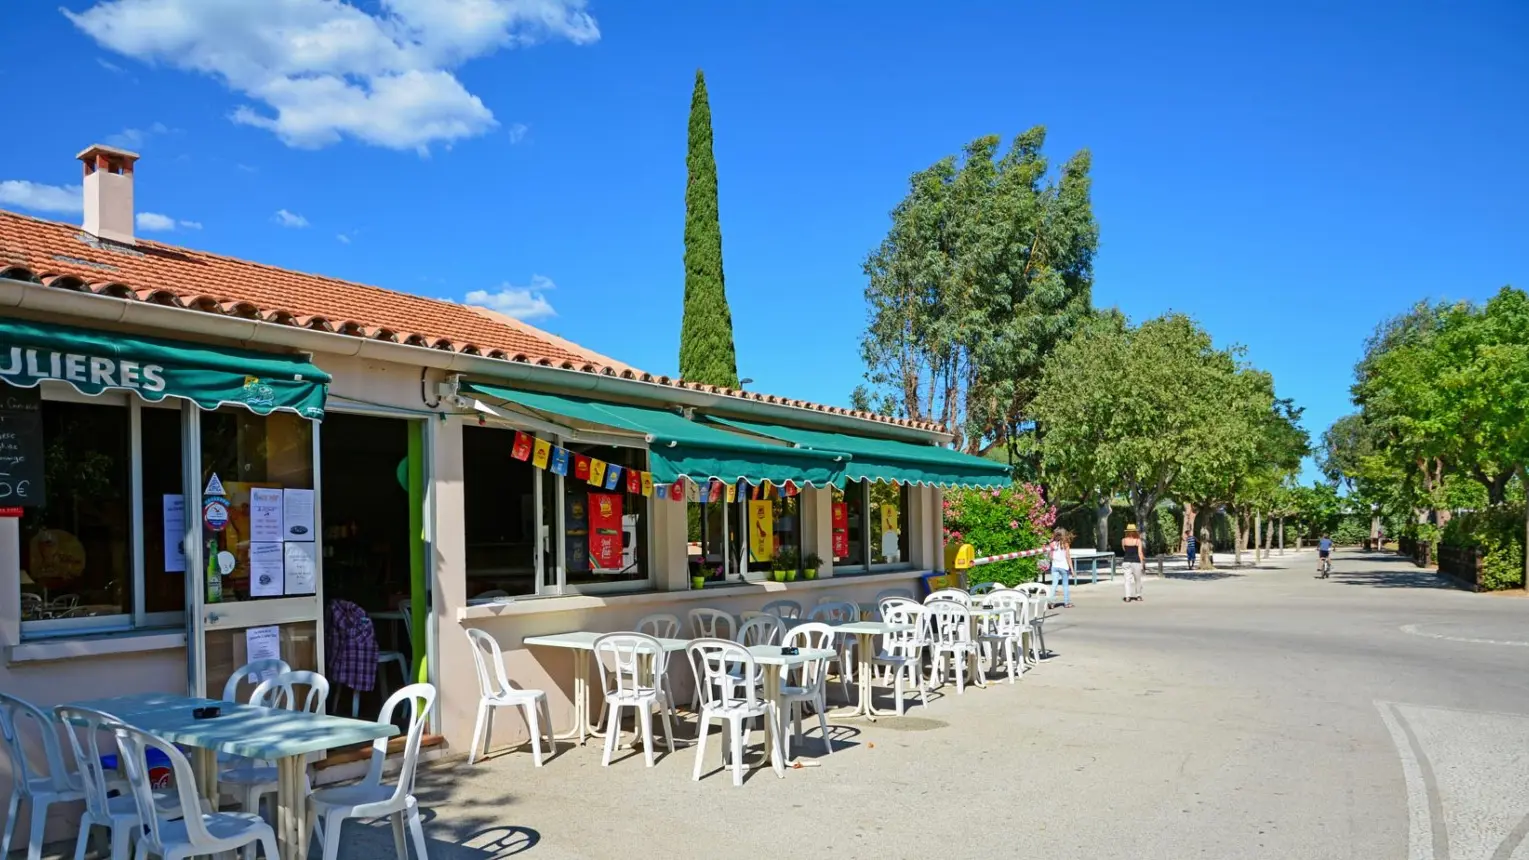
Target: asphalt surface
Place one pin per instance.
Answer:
(1251, 713)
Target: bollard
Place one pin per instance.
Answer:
(1159, 567)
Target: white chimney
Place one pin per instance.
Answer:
(109, 192)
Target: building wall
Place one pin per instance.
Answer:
(71, 673)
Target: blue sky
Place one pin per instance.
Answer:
(1289, 173)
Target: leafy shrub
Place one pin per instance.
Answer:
(998, 521)
(1352, 530)
(1499, 533)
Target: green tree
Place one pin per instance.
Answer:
(1162, 406)
(987, 266)
(706, 335)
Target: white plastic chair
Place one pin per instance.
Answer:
(761, 630)
(118, 814)
(631, 665)
(786, 610)
(258, 668)
(40, 790)
(708, 623)
(950, 638)
(982, 588)
(328, 808)
(251, 780)
(712, 661)
(840, 612)
(204, 833)
(1038, 595)
(661, 625)
(903, 650)
(1003, 634)
(904, 593)
(806, 684)
(959, 595)
(495, 692)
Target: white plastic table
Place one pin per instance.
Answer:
(583, 643)
(288, 737)
(865, 633)
(771, 658)
(1092, 557)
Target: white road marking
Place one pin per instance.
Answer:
(1419, 821)
(1413, 629)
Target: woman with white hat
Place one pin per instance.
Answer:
(1135, 564)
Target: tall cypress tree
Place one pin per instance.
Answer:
(706, 336)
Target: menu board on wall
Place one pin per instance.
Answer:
(21, 447)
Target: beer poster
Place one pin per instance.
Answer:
(605, 531)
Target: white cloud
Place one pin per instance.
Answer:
(342, 238)
(522, 303)
(134, 138)
(109, 66)
(152, 221)
(518, 132)
(289, 219)
(318, 71)
(64, 199)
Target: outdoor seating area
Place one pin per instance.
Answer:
(767, 672)
(176, 776)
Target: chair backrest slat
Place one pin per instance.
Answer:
(281, 692)
(786, 610)
(84, 728)
(762, 629)
(622, 657)
(260, 670)
(420, 699)
(725, 673)
(133, 746)
(488, 660)
(17, 712)
(660, 625)
(708, 623)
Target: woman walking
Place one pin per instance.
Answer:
(1061, 565)
(1136, 562)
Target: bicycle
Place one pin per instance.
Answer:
(1326, 567)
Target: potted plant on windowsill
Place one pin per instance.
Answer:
(785, 565)
(699, 576)
(810, 563)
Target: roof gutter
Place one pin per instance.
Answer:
(53, 302)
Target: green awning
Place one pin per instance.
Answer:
(679, 447)
(93, 361)
(888, 459)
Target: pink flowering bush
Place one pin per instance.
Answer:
(996, 522)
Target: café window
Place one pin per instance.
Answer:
(870, 526)
(606, 525)
(531, 531)
(98, 554)
(263, 542)
(748, 537)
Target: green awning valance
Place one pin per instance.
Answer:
(888, 459)
(679, 447)
(93, 361)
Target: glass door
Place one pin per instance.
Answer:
(255, 579)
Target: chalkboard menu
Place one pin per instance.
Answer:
(21, 447)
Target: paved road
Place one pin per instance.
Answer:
(1249, 714)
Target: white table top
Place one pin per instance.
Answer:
(244, 730)
(1092, 553)
(769, 655)
(584, 640)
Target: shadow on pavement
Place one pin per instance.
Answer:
(1201, 575)
(1419, 578)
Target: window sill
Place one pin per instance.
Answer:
(581, 602)
(73, 647)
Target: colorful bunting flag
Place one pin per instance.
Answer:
(612, 476)
(634, 482)
(703, 493)
(522, 448)
(661, 491)
(691, 491)
(597, 472)
(645, 484)
(541, 452)
(732, 493)
(559, 464)
(581, 467)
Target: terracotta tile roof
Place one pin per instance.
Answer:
(64, 256)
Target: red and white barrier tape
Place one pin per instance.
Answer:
(1010, 556)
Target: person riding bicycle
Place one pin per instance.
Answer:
(1324, 551)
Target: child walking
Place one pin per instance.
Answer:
(1061, 565)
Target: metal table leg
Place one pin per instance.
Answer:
(292, 807)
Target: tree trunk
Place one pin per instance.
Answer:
(1282, 535)
(1239, 537)
(1102, 524)
(1186, 528)
(1207, 550)
(1258, 537)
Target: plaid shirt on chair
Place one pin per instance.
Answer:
(352, 646)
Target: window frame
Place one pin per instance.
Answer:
(137, 619)
(863, 564)
(557, 585)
